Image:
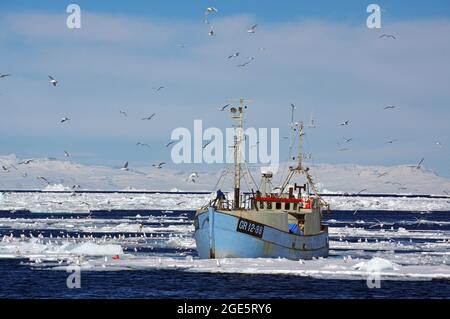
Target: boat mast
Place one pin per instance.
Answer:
(238, 116)
(299, 169)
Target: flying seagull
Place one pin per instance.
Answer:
(149, 118)
(123, 112)
(211, 32)
(142, 144)
(66, 154)
(208, 11)
(391, 142)
(252, 29)
(65, 119)
(224, 107)
(380, 224)
(346, 123)
(170, 143)
(43, 179)
(159, 88)
(6, 169)
(420, 163)
(439, 144)
(388, 36)
(382, 174)
(204, 146)
(192, 177)
(347, 140)
(235, 55)
(4, 75)
(159, 165)
(26, 162)
(125, 167)
(52, 80)
(244, 64)
(390, 107)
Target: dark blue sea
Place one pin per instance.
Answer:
(20, 279)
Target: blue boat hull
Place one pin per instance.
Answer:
(217, 236)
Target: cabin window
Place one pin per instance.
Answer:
(287, 206)
(295, 206)
(269, 205)
(278, 205)
(261, 205)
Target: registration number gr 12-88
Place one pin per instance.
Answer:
(250, 227)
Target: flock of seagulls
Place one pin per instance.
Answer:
(212, 33)
(237, 54)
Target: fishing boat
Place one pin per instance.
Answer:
(284, 222)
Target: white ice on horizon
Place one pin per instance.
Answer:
(84, 202)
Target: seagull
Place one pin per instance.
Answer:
(76, 186)
(208, 11)
(43, 179)
(178, 204)
(211, 32)
(170, 143)
(439, 144)
(52, 80)
(26, 162)
(235, 55)
(347, 140)
(123, 112)
(125, 167)
(159, 88)
(420, 163)
(363, 190)
(192, 177)
(244, 64)
(391, 142)
(204, 146)
(149, 118)
(224, 107)
(6, 169)
(346, 123)
(390, 107)
(382, 174)
(142, 144)
(4, 75)
(159, 166)
(252, 29)
(380, 224)
(65, 119)
(388, 36)
(66, 154)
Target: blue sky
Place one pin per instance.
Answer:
(265, 10)
(319, 55)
